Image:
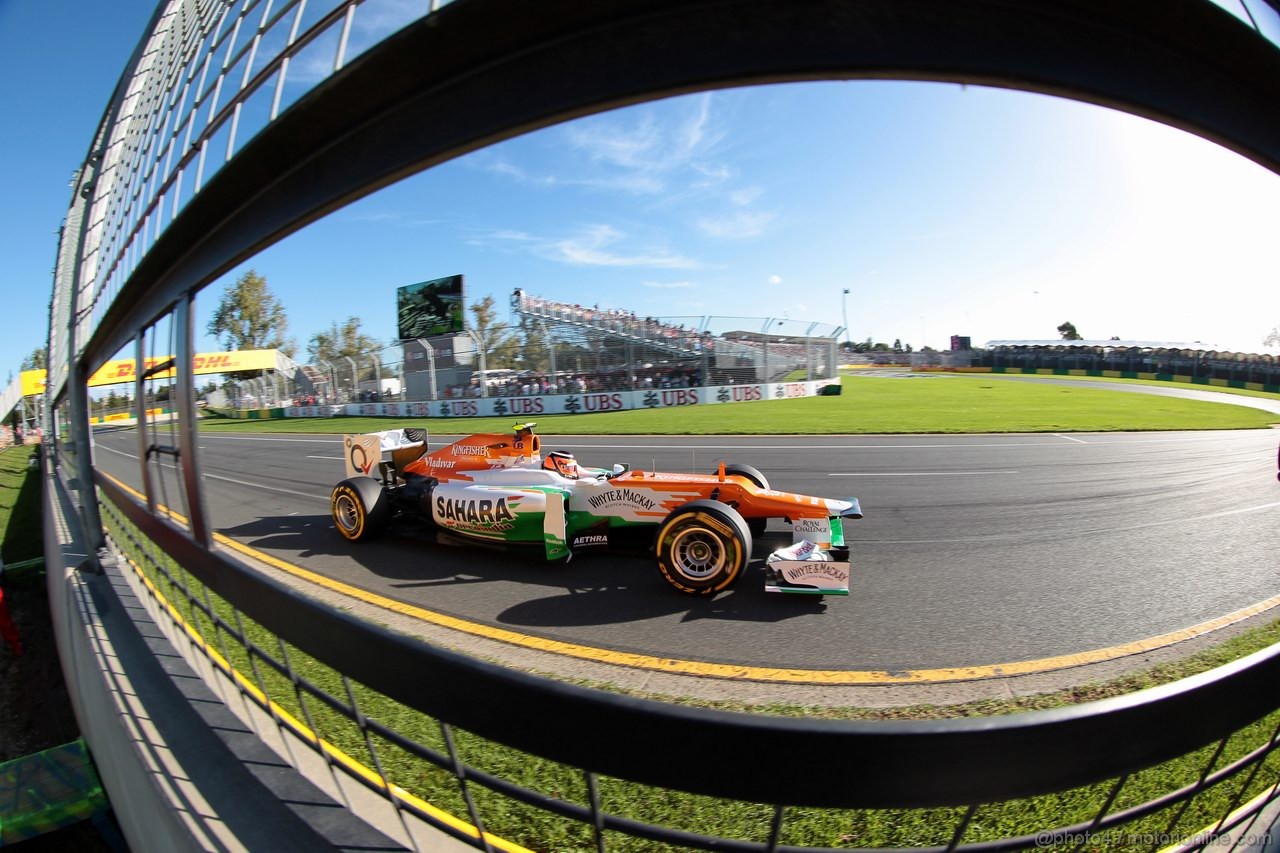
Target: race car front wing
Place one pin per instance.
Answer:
(806, 569)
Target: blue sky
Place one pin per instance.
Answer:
(944, 210)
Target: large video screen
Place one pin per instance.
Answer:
(430, 308)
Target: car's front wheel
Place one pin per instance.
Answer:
(756, 525)
(702, 547)
(360, 508)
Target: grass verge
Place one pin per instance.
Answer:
(20, 514)
(1154, 383)
(919, 404)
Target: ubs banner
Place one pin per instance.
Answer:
(569, 404)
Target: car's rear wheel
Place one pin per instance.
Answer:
(360, 508)
(702, 547)
(755, 525)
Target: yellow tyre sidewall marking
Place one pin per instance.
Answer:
(351, 495)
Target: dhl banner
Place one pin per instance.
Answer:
(33, 382)
(125, 370)
(123, 417)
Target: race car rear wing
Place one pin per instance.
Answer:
(389, 451)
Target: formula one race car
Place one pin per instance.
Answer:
(499, 489)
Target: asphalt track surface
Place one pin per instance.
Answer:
(976, 550)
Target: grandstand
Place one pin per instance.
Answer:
(638, 350)
(1195, 360)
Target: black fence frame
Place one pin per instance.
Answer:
(1184, 62)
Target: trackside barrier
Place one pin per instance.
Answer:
(234, 126)
(570, 404)
(249, 414)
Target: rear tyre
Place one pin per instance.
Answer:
(360, 508)
(702, 547)
(755, 525)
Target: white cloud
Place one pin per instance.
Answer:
(394, 218)
(775, 279)
(589, 248)
(594, 245)
(632, 184)
(737, 225)
(613, 143)
(664, 149)
(667, 285)
(507, 169)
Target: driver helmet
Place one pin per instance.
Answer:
(562, 463)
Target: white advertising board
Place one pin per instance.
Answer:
(589, 403)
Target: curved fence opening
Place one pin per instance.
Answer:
(288, 211)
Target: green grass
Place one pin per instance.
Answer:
(923, 403)
(20, 513)
(539, 830)
(1157, 383)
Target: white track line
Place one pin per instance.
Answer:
(921, 474)
(245, 483)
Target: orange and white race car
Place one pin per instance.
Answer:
(499, 489)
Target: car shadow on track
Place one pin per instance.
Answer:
(590, 589)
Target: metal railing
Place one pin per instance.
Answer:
(181, 183)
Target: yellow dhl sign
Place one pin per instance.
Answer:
(126, 416)
(125, 369)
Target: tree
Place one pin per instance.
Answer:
(1068, 332)
(1273, 338)
(251, 317)
(492, 335)
(345, 341)
(38, 360)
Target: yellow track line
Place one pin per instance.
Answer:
(828, 677)
(303, 731)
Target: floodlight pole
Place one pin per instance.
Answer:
(844, 313)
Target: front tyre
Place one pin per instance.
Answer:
(755, 525)
(702, 547)
(360, 508)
